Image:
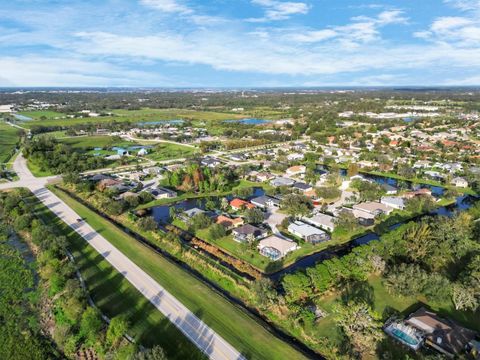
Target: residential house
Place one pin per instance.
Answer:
(265, 202)
(373, 208)
(188, 214)
(275, 247)
(296, 170)
(393, 202)
(303, 187)
(443, 335)
(459, 182)
(295, 157)
(264, 176)
(389, 189)
(239, 204)
(163, 193)
(419, 192)
(106, 183)
(142, 152)
(210, 162)
(229, 223)
(308, 232)
(322, 221)
(247, 233)
(282, 181)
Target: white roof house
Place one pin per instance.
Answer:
(373, 208)
(275, 247)
(308, 232)
(460, 182)
(394, 202)
(320, 220)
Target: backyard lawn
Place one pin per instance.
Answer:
(231, 322)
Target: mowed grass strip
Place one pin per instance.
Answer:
(233, 324)
(114, 295)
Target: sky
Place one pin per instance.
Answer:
(239, 43)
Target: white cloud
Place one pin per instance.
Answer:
(459, 31)
(279, 10)
(167, 6)
(34, 70)
(277, 56)
(362, 30)
(465, 5)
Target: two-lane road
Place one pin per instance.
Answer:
(207, 340)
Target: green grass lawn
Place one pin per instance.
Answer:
(232, 323)
(166, 151)
(9, 136)
(36, 115)
(114, 295)
(103, 141)
(36, 170)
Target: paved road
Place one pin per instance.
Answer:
(198, 332)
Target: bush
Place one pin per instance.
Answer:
(147, 223)
(216, 231)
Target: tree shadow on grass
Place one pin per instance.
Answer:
(360, 291)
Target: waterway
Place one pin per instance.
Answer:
(462, 203)
(161, 213)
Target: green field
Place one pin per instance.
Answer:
(114, 295)
(9, 136)
(36, 115)
(166, 151)
(103, 141)
(232, 323)
(134, 116)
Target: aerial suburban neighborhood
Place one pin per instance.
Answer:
(258, 179)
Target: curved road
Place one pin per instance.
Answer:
(207, 340)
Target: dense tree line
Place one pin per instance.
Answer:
(51, 155)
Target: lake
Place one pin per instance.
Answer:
(249, 121)
(22, 117)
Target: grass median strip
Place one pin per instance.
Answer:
(233, 324)
(114, 295)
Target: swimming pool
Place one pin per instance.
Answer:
(409, 340)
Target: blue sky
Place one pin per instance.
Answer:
(239, 43)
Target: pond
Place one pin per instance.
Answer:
(437, 191)
(22, 117)
(161, 213)
(249, 121)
